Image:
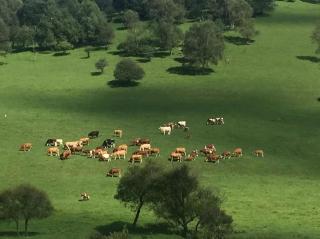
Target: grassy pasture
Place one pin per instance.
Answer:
(267, 95)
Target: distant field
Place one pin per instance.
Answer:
(267, 95)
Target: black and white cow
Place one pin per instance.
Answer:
(109, 143)
(51, 142)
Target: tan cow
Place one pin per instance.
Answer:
(226, 155)
(259, 153)
(144, 147)
(26, 147)
(237, 152)
(117, 133)
(154, 151)
(71, 144)
(181, 151)
(122, 147)
(213, 158)
(176, 156)
(53, 151)
(104, 156)
(114, 172)
(119, 154)
(84, 141)
(136, 158)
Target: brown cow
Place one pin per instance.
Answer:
(237, 152)
(114, 172)
(206, 151)
(213, 158)
(136, 158)
(122, 147)
(192, 156)
(77, 149)
(154, 151)
(210, 147)
(259, 153)
(26, 147)
(139, 141)
(176, 156)
(71, 144)
(226, 155)
(119, 154)
(143, 153)
(65, 155)
(181, 151)
(53, 151)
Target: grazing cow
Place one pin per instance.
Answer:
(53, 151)
(213, 158)
(104, 156)
(84, 196)
(181, 151)
(154, 151)
(226, 155)
(139, 141)
(182, 124)
(143, 153)
(77, 149)
(51, 142)
(84, 140)
(259, 153)
(72, 144)
(220, 121)
(119, 154)
(26, 147)
(215, 121)
(237, 152)
(93, 134)
(210, 147)
(192, 156)
(65, 155)
(206, 151)
(165, 130)
(170, 124)
(144, 147)
(117, 133)
(109, 143)
(136, 158)
(176, 156)
(122, 147)
(114, 172)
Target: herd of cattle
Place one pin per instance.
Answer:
(109, 150)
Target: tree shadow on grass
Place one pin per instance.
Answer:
(96, 73)
(61, 54)
(124, 84)
(161, 54)
(121, 28)
(239, 41)
(3, 63)
(181, 60)
(189, 70)
(14, 234)
(144, 60)
(313, 59)
(148, 229)
(318, 99)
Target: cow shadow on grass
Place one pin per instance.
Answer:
(239, 41)
(119, 84)
(61, 54)
(189, 70)
(313, 59)
(147, 229)
(96, 73)
(14, 234)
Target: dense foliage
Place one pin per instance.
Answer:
(128, 70)
(316, 37)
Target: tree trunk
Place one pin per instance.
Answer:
(26, 227)
(185, 229)
(88, 54)
(17, 227)
(137, 214)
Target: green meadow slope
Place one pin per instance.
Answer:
(267, 95)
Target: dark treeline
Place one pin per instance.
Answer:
(61, 24)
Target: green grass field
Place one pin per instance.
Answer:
(267, 96)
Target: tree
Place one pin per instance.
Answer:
(24, 202)
(133, 192)
(182, 202)
(165, 10)
(4, 37)
(23, 37)
(64, 46)
(239, 12)
(261, 7)
(105, 34)
(101, 64)
(130, 18)
(316, 37)
(247, 29)
(167, 34)
(88, 50)
(203, 43)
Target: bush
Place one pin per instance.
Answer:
(128, 70)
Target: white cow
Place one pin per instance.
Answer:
(105, 157)
(59, 142)
(165, 130)
(182, 124)
(144, 147)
